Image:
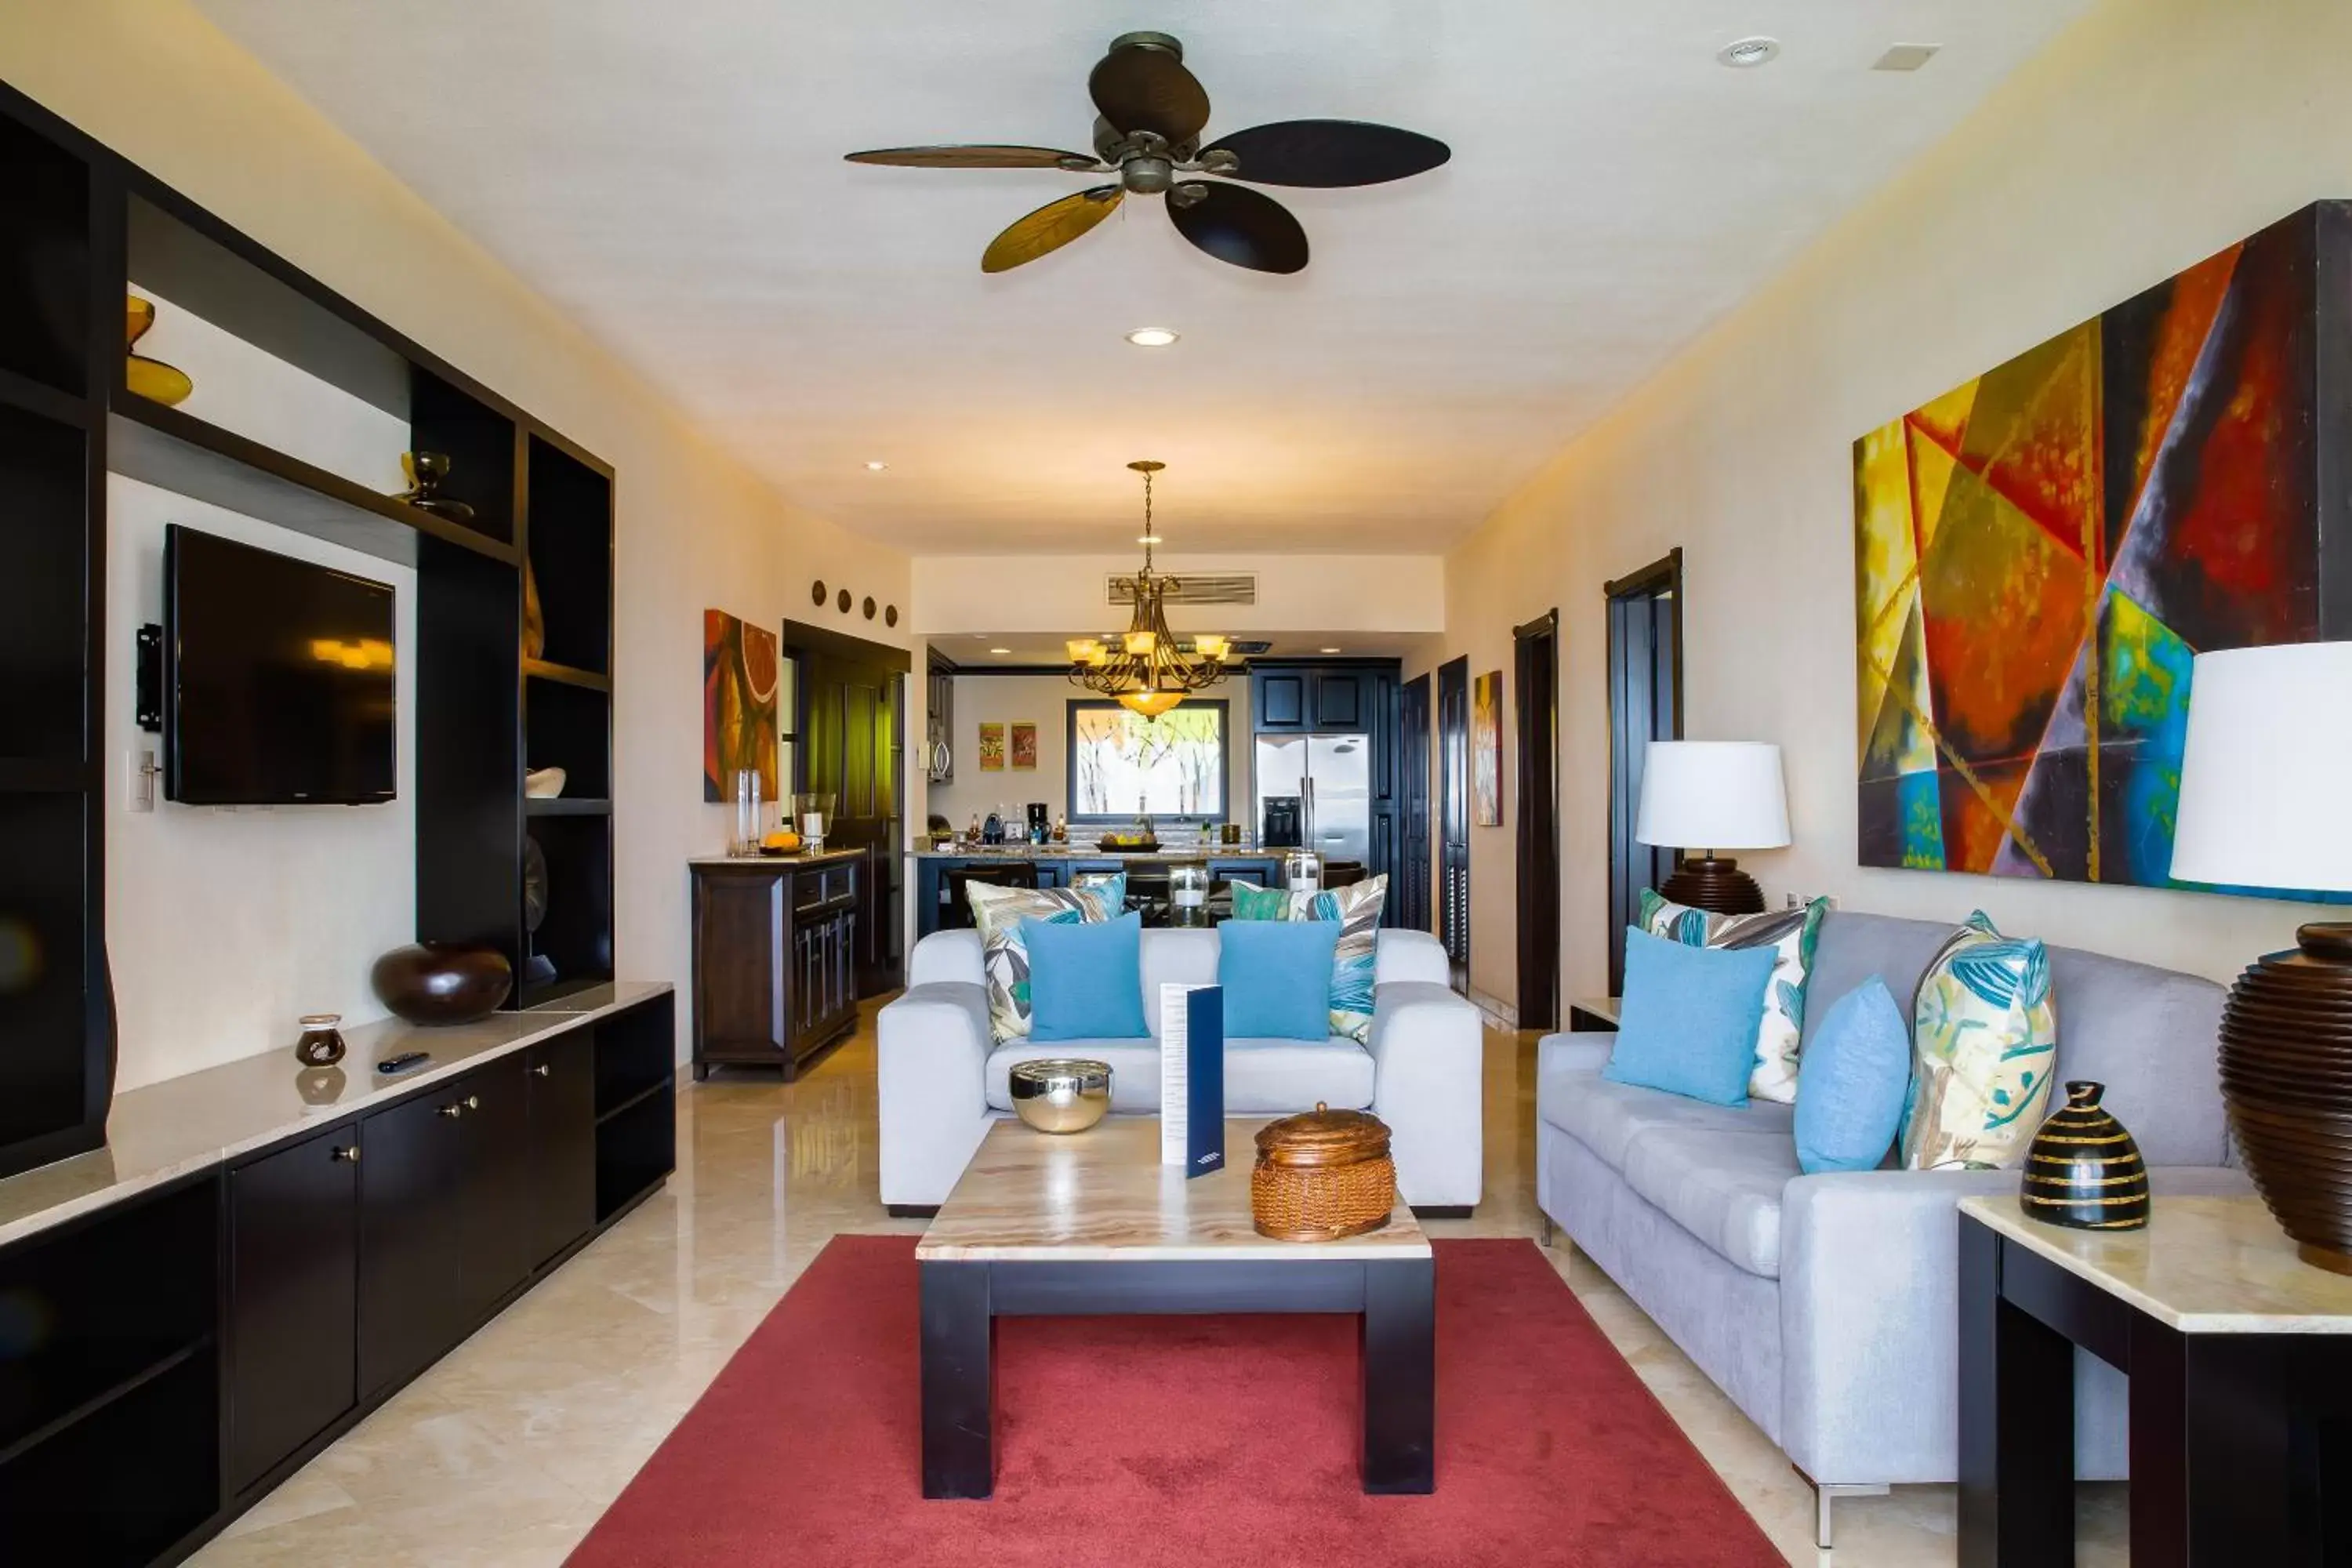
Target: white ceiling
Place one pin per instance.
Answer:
(671, 174)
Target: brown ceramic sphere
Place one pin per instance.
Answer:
(434, 983)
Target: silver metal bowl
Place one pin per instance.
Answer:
(1061, 1095)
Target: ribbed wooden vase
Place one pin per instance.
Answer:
(1714, 883)
(2082, 1168)
(2286, 1077)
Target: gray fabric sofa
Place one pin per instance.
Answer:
(1825, 1306)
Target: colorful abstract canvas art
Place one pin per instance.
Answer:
(1486, 749)
(992, 748)
(2040, 551)
(739, 665)
(1024, 748)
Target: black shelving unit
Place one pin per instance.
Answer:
(79, 226)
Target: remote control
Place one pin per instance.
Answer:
(404, 1061)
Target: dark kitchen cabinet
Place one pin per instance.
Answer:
(495, 1187)
(1342, 696)
(1340, 700)
(293, 1287)
(776, 959)
(1278, 700)
(562, 1099)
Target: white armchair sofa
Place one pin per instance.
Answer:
(944, 1080)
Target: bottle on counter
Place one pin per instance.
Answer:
(1061, 829)
(971, 833)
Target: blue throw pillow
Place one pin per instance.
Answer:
(1688, 1021)
(1086, 979)
(1276, 976)
(1852, 1082)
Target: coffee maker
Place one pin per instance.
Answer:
(1041, 822)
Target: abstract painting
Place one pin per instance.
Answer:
(739, 662)
(2039, 554)
(1486, 749)
(1024, 748)
(992, 748)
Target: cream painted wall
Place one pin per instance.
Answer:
(1043, 701)
(2148, 136)
(1062, 594)
(157, 82)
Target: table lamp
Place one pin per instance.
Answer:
(2266, 801)
(1711, 795)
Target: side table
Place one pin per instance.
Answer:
(2240, 1357)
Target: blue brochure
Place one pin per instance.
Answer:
(1192, 1078)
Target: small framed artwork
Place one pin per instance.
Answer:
(992, 748)
(1024, 748)
(1486, 749)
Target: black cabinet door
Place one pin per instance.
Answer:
(293, 1288)
(494, 1202)
(563, 1099)
(411, 1187)
(1278, 700)
(1340, 701)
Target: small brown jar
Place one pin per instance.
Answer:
(321, 1045)
(1322, 1175)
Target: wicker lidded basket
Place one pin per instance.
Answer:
(1322, 1175)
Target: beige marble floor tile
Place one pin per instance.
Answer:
(506, 1452)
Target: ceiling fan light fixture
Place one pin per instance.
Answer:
(1153, 337)
(1747, 54)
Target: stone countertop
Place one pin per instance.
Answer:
(774, 862)
(2203, 1265)
(186, 1124)
(1180, 854)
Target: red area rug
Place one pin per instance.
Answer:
(1137, 1441)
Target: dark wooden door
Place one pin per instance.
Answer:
(562, 1099)
(412, 1181)
(1645, 704)
(293, 1351)
(1453, 809)
(1413, 805)
(1380, 686)
(1536, 679)
(853, 746)
(495, 1198)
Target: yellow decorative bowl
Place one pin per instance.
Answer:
(1061, 1095)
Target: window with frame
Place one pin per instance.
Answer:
(1123, 765)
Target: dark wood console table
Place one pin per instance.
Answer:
(2240, 1357)
(775, 957)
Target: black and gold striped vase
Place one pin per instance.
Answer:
(2082, 1168)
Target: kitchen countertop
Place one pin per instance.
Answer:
(186, 1124)
(1089, 852)
(769, 862)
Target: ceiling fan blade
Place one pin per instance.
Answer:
(983, 156)
(1235, 224)
(1328, 152)
(1141, 87)
(1050, 227)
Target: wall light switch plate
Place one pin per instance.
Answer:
(140, 773)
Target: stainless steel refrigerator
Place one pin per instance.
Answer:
(1334, 775)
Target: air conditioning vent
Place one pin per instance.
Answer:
(1191, 588)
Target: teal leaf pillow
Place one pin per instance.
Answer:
(1260, 903)
(1793, 935)
(1357, 908)
(996, 914)
(1984, 1041)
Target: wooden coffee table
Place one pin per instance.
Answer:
(1092, 1224)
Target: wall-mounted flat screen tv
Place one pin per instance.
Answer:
(277, 678)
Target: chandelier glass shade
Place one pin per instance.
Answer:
(1147, 669)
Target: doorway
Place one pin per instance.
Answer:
(1645, 704)
(849, 697)
(1413, 766)
(1454, 813)
(1535, 686)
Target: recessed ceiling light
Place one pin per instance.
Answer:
(1152, 337)
(875, 465)
(999, 650)
(1331, 650)
(1907, 56)
(1745, 53)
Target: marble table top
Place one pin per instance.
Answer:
(2203, 1265)
(164, 1130)
(1103, 1197)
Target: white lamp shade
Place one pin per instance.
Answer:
(2266, 775)
(1712, 794)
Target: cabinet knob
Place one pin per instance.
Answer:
(348, 1155)
(543, 1070)
(448, 1110)
(473, 1103)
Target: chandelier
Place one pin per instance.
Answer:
(1145, 667)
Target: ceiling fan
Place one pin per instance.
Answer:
(1153, 112)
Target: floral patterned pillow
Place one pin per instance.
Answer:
(997, 913)
(1794, 934)
(1984, 1044)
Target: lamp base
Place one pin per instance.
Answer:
(2286, 1046)
(1715, 884)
